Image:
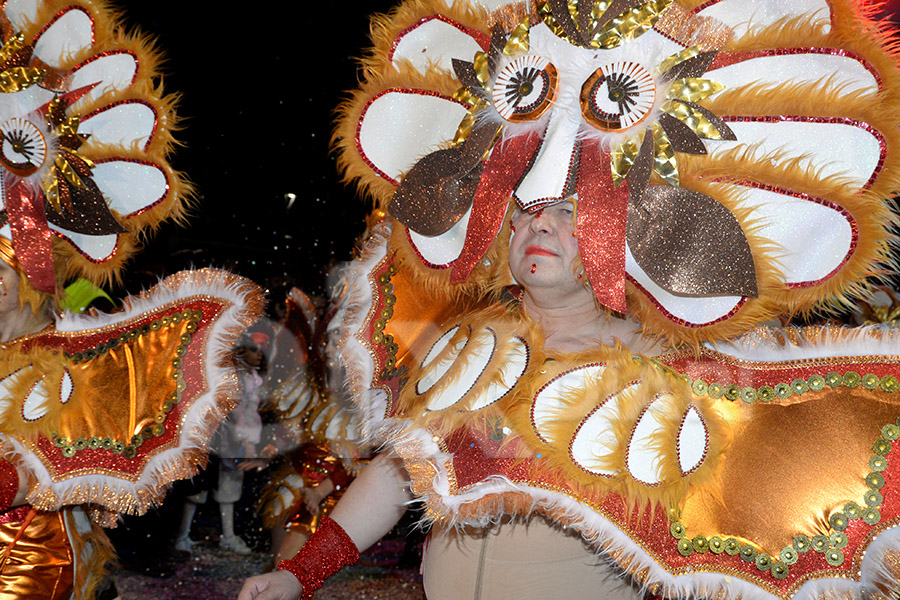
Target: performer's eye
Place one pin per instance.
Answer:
(525, 88)
(617, 96)
(23, 147)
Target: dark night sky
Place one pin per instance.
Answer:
(258, 94)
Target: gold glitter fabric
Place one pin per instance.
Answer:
(38, 559)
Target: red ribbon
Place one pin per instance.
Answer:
(600, 225)
(32, 239)
(508, 163)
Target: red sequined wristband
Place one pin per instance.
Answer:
(9, 484)
(323, 554)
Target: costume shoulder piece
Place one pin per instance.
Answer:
(706, 145)
(110, 409)
(86, 133)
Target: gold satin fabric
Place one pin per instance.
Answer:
(786, 459)
(40, 565)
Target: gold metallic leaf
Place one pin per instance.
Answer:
(482, 70)
(519, 40)
(621, 159)
(66, 170)
(629, 25)
(17, 79)
(464, 129)
(664, 163)
(51, 190)
(678, 57)
(693, 89)
(13, 45)
(69, 126)
(694, 119)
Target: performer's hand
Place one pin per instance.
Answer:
(280, 585)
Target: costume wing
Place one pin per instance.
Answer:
(111, 409)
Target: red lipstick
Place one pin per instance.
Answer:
(538, 250)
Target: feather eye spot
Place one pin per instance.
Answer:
(525, 88)
(24, 147)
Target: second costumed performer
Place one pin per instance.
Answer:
(658, 179)
(98, 414)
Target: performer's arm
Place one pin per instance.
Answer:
(369, 508)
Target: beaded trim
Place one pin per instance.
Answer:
(798, 387)
(831, 545)
(378, 336)
(71, 447)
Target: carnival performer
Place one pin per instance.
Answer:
(98, 411)
(659, 177)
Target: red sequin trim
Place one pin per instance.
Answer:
(365, 109)
(834, 120)
(854, 227)
(96, 112)
(679, 321)
(96, 261)
(705, 5)
(480, 38)
(631, 440)
(146, 163)
(726, 59)
(425, 261)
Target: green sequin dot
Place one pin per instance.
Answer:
(871, 516)
(779, 570)
(851, 379)
(839, 521)
(685, 547)
(833, 379)
(852, 510)
(763, 561)
(838, 539)
(875, 481)
(820, 543)
(881, 447)
(801, 544)
(870, 381)
(890, 432)
(788, 555)
(699, 387)
(889, 383)
(799, 386)
(765, 393)
(700, 544)
(748, 553)
(835, 558)
(715, 390)
(732, 392)
(878, 463)
(732, 546)
(677, 530)
(782, 390)
(873, 498)
(816, 382)
(716, 545)
(748, 395)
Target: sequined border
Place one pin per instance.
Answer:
(678, 320)
(585, 420)
(137, 62)
(543, 387)
(705, 435)
(146, 163)
(141, 101)
(52, 21)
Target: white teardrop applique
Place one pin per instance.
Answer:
(595, 437)
(469, 364)
(36, 402)
(693, 441)
(66, 387)
(6, 396)
(643, 460)
(514, 362)
(548, 401)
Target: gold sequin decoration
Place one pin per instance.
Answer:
(693, 119)
(378, 336)
(664, 161)
(519, 41)
(129, 450)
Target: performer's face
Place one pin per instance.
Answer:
(543, 249)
